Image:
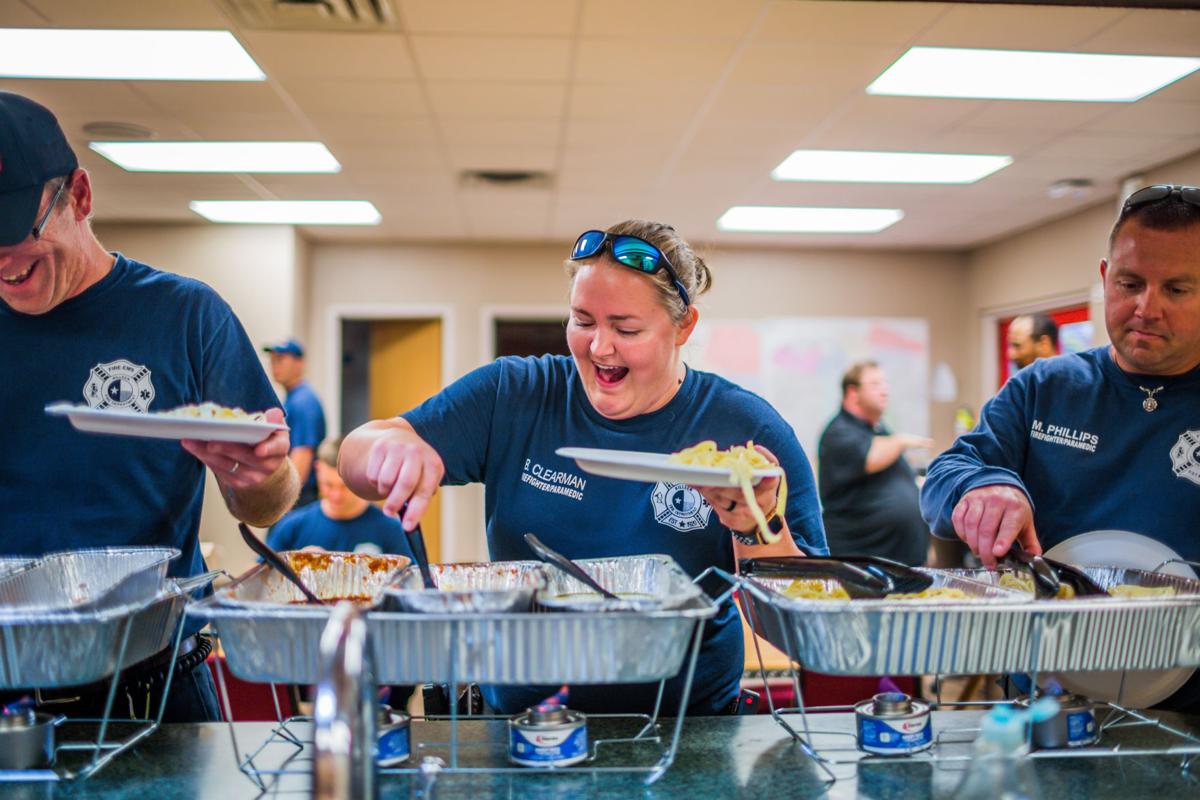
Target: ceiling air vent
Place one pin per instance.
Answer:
(505, 179)
(314, 15)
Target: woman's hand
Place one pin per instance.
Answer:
(386, 460)
(730, 502)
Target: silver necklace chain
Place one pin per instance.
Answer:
(1149, 404)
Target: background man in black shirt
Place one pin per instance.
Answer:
(869, 493)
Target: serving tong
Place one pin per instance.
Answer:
(557, 559)
(1049, 575)
(863, 577)
(416, 543)
(277, 563)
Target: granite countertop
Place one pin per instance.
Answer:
(726, 757)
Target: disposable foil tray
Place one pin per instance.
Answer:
(57, 648)
(330, 576)
(892, 637)
(1109, 633)
(86, 579)
(280, 644)
(487, 588)
(12, 563)
(642, 583)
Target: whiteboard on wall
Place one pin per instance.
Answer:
(796, 364)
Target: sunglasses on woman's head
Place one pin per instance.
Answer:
(1161, 191)
(631, 251)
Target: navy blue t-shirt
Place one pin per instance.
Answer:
(306, 419)
(500, 426)
(309, 526)
(1071, 432)
(139, 340)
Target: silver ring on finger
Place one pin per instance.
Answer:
(236, 464)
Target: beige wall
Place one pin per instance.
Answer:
(1029, 270)
(254, 269)
(462, 282)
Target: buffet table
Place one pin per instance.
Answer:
(725, 757)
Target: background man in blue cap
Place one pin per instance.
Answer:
(80, 323)
(305, 416)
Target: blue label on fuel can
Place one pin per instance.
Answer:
(548, 748)
(1081, 728)
(895, 736)
(393, 745)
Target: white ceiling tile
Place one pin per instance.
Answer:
(497, 100)
(501, 157)
(492, 58)
(1018, 27)
(663, 20)
(21, 15)
(490, 17)
(362, 97)
(127, 13)
(347, 131)
(246, 126)
(889, 123)
(1164, 32)
(210, 97)
(391, 157)
(108, 100)
(780, 105)
(824, 22)
(541, 133)
(634, 60)
(648, 103)
(346, 56)
(1151, 117)
(843, 68)
(1020, 115)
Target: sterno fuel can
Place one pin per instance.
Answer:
(548, 736)
(893, 724)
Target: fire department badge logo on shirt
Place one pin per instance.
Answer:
(121, 385)
(1185, 457)
(680, 507)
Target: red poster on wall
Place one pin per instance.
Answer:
(1074, 334)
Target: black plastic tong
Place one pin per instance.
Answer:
(862, 577)
(1049, 575)
(416, 543)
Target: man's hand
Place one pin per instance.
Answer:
(257, 481)
(989, 518)
(243, 466)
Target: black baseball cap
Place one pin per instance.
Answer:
(33, 150)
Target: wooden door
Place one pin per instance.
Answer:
(405, 368)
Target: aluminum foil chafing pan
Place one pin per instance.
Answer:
(891, 636)
(483, 588)
(280, 643)
(86, 579)
(331, 576)
(1110, 633)
(643, 583)
(50, 649)
(12, 563)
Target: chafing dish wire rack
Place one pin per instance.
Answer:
(952, 748)
(293, 733)
(141, 630)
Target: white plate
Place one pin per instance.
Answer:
(162, 426)
(1143, 688)
(631, 465)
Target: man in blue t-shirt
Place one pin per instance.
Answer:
(304, 414)
(1106, 439)
(341, 521)
(81, 324)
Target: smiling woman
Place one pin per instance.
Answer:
(624, 387)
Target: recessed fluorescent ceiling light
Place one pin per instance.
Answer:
(1029, 75)
(288, 212)
(163, 55)
(219, 156)
(795, 219)
(854, 166)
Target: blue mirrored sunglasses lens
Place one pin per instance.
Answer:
(636, 253)
(587, 244)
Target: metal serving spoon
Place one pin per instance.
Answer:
(566, 565)
(277, 562)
